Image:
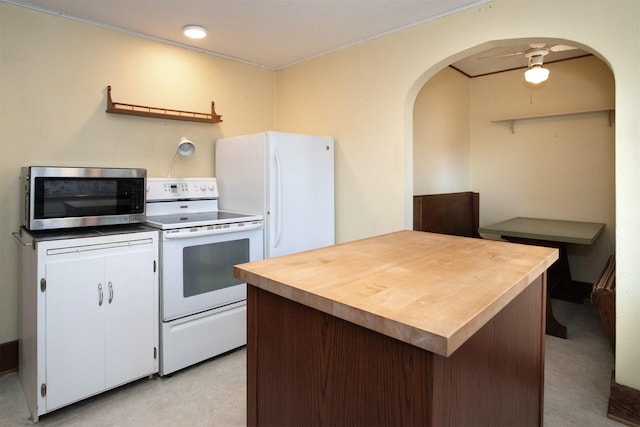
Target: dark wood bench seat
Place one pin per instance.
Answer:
(456, 214)
(603, 296)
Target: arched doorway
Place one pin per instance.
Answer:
(554, 165)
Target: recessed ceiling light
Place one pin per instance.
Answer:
(195, 31)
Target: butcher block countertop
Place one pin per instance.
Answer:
(430, 290)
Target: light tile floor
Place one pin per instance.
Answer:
(578, 369)
(213, 393)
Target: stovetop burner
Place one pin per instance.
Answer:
(194, 219)
(174, 203)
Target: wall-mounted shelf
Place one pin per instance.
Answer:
(160, 113)
(512, 120)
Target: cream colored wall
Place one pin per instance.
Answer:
(441, 124)
(346, 95)
(364, 96)
(54, 75)
(560, 167)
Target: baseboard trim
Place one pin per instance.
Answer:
(624, 403)
(8, 357)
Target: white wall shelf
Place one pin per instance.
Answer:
(512, 120)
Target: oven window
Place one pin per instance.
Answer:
(209, 267)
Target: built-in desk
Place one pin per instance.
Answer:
(407, 328)
(556, 234)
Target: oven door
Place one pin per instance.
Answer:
(197, 266)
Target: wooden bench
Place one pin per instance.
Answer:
(603, 296)
(456, 214)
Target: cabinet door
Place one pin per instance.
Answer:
(74, 332)
(131, 315)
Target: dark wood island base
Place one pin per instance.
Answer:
(308, 368)
(403, 329)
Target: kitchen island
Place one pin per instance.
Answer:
(407, 328)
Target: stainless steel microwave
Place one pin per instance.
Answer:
(68, 197)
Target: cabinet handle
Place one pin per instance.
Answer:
(110, 292)
(100, 296)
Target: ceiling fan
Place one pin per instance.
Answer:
(533, 48)
(536, 73)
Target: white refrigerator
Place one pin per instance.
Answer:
(287, 178)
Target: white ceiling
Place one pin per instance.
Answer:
(269, 33)
(277, 33)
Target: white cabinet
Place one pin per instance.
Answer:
(89, 316)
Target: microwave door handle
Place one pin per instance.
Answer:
(211, 232)
(278, 212)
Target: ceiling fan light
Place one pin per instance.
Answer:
(536, 74)
(195, 31)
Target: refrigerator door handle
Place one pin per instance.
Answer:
(278, 219)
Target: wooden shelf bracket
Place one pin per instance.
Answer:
(161, 113)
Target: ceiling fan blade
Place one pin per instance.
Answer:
(503, 55)
(561, 48)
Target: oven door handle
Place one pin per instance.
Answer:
(185, 234)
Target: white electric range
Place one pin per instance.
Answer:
(202, 306)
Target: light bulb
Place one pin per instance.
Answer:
(536, 74)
